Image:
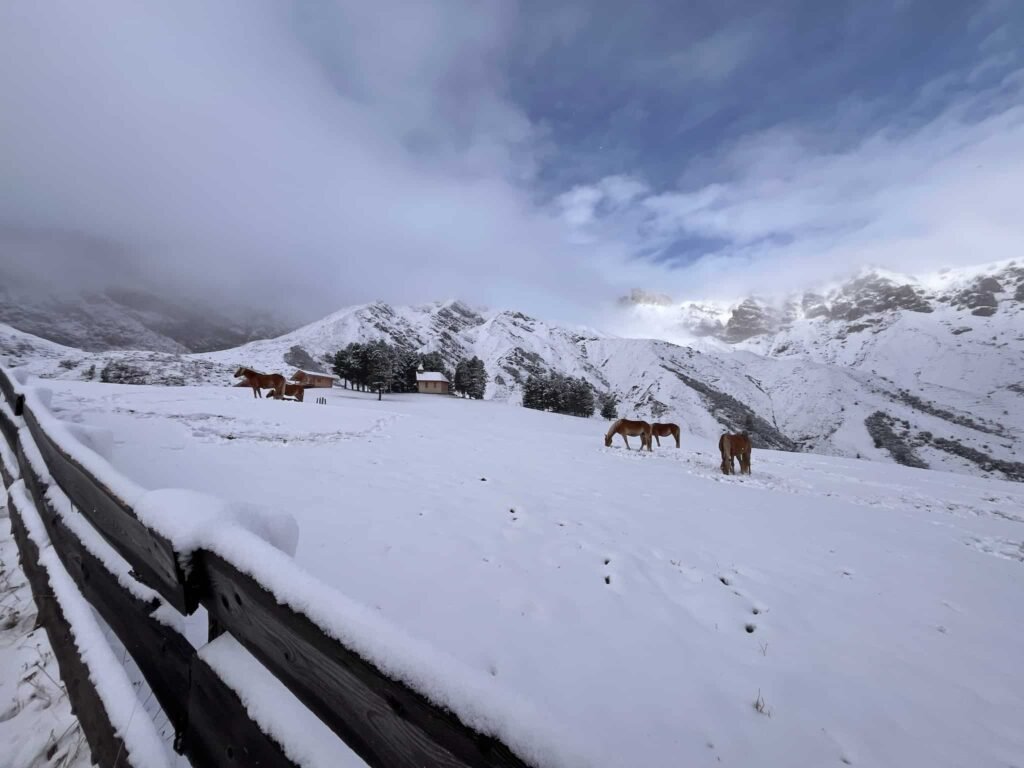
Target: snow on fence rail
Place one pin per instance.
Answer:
(136, 575)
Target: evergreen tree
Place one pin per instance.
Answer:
(558, 393)
(533, 393)
(343, 364)
(406, 363)
(608, 407)
(476, 378)
(380, 366)
(461, 383)
(580, 398)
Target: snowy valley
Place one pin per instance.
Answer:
(592, 606)
(928, 372)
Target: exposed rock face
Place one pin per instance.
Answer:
(862, 304)
(751, 318)
(990, 284)
(979, 296)
(300, 358)
(640, 296)
(813, 305)
(872, 295)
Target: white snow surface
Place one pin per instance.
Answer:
(106, 674)
(302, 735)
(35, 714)
(593, 606)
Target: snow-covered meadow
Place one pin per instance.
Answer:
(645, 609)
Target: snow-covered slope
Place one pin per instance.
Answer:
(121, 319)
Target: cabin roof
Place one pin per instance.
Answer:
(301, 372)
(431, 376)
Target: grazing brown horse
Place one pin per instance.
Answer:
(296, 391)
(256, 380)
(626, 427)
(664, 430)
(734, 447)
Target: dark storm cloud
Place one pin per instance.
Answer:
(306, 155)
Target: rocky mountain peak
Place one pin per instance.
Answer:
(873, 294)
(752, 318)
(638, 297)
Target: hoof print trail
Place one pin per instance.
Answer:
(750, 628)
(607, 579)
(724, 580)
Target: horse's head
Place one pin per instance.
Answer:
(608, 441)
(240, 372)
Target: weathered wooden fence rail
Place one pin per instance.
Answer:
(384, 721)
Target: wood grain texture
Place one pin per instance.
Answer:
(383, 720)
(10, 392)
(151, 555)
(220, 733)
(162, 654)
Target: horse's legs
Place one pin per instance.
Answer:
(651, 442)
(676, 436)
(656, 438)
(625, 440)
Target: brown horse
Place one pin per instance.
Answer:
(664, 430)
(734, 447)
(296, 391)
(626, 427)
(256, 380)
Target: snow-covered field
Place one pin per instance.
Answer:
(647, 609)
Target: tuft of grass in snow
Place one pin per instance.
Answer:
(760, 706)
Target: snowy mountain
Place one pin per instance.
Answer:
(123, 319)
(926, 372)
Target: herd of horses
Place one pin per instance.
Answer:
(277, 386)
(730, 446)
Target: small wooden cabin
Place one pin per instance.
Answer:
(313, 380)
(432, 383)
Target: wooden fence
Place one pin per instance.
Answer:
(384, 721)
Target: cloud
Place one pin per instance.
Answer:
(305, 156)
(786, 207)
(300, 156)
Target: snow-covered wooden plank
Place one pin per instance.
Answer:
(304, 738)
(14, 398)
(220, 733)
(161, 652)
(8, 422)
(383, 720)
(151, 555)
(101, 695)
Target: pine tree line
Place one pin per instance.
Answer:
(559, 393)
(470, 378)
(378, 366)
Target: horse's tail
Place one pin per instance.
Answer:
(726, 450)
